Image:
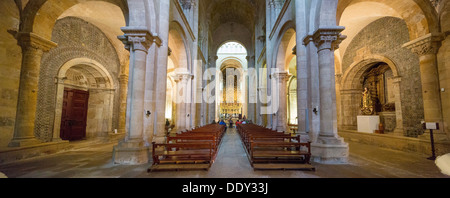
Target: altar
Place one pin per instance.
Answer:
(368, 124)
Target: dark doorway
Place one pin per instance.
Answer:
(74, 114)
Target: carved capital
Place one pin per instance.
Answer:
(31, 40)
(282, 76)
(182, 77)
(328, 38)
(187, 4)
(138, 38)
(428, 44)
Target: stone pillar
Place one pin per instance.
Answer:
(398, 107)
(58, 110)
(329, 147)
(33, 47)
(281, 79)
(182, 95)
(123, 86)
(251, 89)
(426, 48)
(160, 79)
(132, 150)
(212, 105)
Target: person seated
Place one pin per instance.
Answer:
(222, 122)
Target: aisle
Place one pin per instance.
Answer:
(231, 160)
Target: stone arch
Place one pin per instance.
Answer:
(351, 88)
(419, 15)
(40, 16)
(69, 49)
(286, 41)
(351, 76)
(100, 85)
(178, 46)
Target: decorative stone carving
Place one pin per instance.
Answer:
(138, 38)
(327, 38)
(428, 44)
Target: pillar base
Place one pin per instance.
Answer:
(21, 142)
(131, 152)
(330, 150)
(159, 140)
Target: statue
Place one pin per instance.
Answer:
(366, 105)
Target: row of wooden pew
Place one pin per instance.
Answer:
(271, 150)
(190, 150)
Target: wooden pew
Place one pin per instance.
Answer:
(271, 150)
(191, 150)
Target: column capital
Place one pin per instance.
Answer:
(30, 39)
(425, 45)
(328, 37)
(138, 38)
(60, 80)
(182, 77)
(282, 75)
(123, 79)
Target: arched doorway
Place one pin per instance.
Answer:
(84, 101)
(232, 92)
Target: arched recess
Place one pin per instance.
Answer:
(352, 84)
(179, 66)
(232, 93)
(90, 76)
(419, 15)
(286, 42)
(40, 16)
(178, 46)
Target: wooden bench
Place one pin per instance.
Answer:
(271, 150)
(191, 150)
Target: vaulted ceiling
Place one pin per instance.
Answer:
(232, 11)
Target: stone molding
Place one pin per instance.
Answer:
(30, 39)
(327, 38)
(428, 44)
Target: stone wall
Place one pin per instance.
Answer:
(385, 37)
(76, 38)
(11, 59)
(444, 65)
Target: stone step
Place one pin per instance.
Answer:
(279, 166)
(178, 167)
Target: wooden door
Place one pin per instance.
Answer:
(74, 114)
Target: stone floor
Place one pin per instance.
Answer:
(95, 161)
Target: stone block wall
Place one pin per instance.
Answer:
(385, 37)
(10, 63)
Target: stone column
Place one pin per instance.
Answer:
(212, 105)
(251, 88)
(329, 148)
(281, 79)
(58, 110)
(426, 48)
(132, 150)
(182, 80)
(123, 86)
(398, 107)
(33, 47)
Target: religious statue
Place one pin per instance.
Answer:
(367, 107)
